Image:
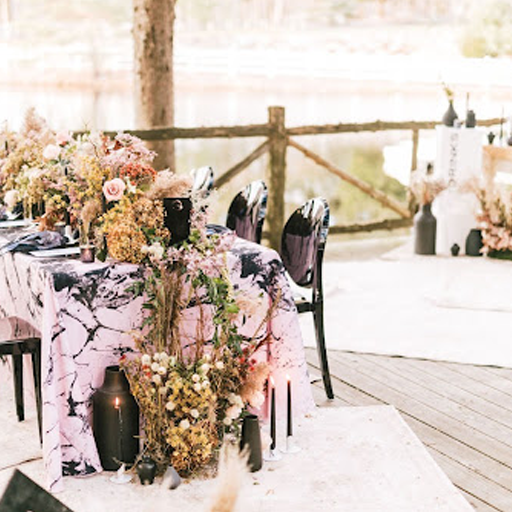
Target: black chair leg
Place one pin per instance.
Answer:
(18, 385)
(318, 316)
(36, 369)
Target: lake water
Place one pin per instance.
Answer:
(198, 103)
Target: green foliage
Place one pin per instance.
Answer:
(488, 30)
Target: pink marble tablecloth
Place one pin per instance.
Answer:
(84, 313)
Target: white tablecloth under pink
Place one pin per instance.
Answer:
(84, 314)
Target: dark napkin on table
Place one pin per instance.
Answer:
(35, 242)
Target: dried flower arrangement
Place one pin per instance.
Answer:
(425, 188)
(190, 397)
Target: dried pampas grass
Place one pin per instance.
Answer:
(168, 184)
(232, 471)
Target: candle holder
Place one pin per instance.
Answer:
(87, 253)
(291, 446)
(115, 421)
(121, 477)
(272, 455)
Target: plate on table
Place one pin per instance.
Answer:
(61, 252)
(19, 223)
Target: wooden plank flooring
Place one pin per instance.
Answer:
(461, 413)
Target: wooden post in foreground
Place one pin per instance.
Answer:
(276, 175)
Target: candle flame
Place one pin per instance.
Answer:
(272, 381)
(288, 378)
(116, 402)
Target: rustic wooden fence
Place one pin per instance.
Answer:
(279, 138)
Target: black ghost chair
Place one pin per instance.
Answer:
(203, 181)
(247, 211)
(302, 251)
(18, 338)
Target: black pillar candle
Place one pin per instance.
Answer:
(115, 420)
(289, 426)
(273, 416)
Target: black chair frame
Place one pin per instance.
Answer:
(17, 349)
(314, 281)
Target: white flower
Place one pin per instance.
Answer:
(155, 367)
(227, 421)
(11, 198)
(205, 367)
(131, 189)
(87, 148)
(197, 387)
(157, 379)
(206, 383)
(145, 359)
(233, 412)
(257, 399)
(162, 370)
(184, 424)
(235, 400)
(172, 361)
(51, 152)
(219, 365)
(155, 250)
(170, 406)
(207, 358)
(163, 390)
(194, 413)
(164, 358)
(156, 356)
(196, 377)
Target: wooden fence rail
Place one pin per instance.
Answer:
(278, 138)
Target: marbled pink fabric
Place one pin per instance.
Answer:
(84, 313)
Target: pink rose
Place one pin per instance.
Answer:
(51, 152)
(62, 138)
(114, 189)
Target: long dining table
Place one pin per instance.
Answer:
(84, 314)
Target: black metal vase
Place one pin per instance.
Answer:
(450, 116)
(425, 225)
(251, 437)
(177, 217)
(474, 243)
(115, 420)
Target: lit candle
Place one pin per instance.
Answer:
(289, 426)
(117, 406)
(273, 416)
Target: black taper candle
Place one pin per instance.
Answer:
(273, 416)
(289, 426)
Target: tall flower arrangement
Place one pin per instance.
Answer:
(192, 388)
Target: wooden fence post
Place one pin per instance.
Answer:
(276, 175)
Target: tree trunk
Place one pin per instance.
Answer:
(153, 34)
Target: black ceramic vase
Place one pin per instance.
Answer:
(450, 115)
(251, 437)
(474, 243)
(146, 469)
(425, 225)
(177, 217)
(115, 420)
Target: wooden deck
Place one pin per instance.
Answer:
(462, 414)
